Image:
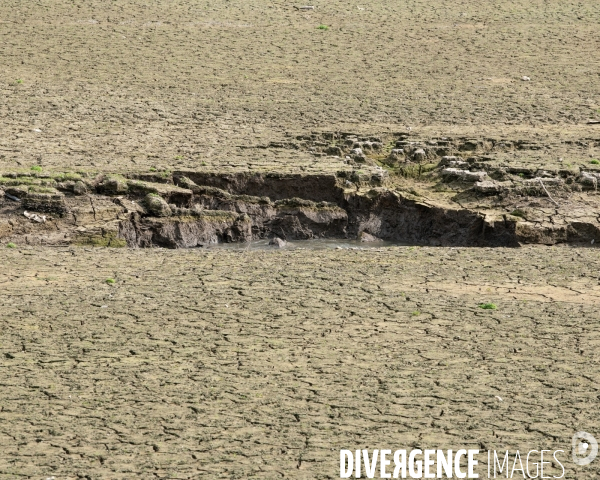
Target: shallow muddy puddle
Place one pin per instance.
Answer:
(313, 244)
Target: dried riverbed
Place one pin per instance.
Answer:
(221, 362)
(263, 364)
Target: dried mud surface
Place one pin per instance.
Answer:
(263, 364)
(220, 364)
(135, 84)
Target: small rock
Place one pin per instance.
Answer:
(35, 217)
(367, 237)
(277, 242)
(525, 78)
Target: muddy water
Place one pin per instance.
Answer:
(314, 244)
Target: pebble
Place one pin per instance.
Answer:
(35, 217)
(277, 242)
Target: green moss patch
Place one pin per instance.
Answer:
(106, 239)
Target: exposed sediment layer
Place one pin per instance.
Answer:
(389, 189)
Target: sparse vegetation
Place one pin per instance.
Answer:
(414, 170)
(110, 281)
(518, 213)
(488, 306)
(36, 168)
(322, 27)
(10, 245)
(107, 240)
(64, 176)
(595, 161)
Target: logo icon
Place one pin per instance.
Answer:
(585, 448)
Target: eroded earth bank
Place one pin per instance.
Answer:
(434, 191)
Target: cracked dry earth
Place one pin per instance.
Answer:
(263, 364)
(210, 363)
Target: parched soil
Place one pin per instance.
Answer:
(184, 124)
(217, 364)
(137, 84)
